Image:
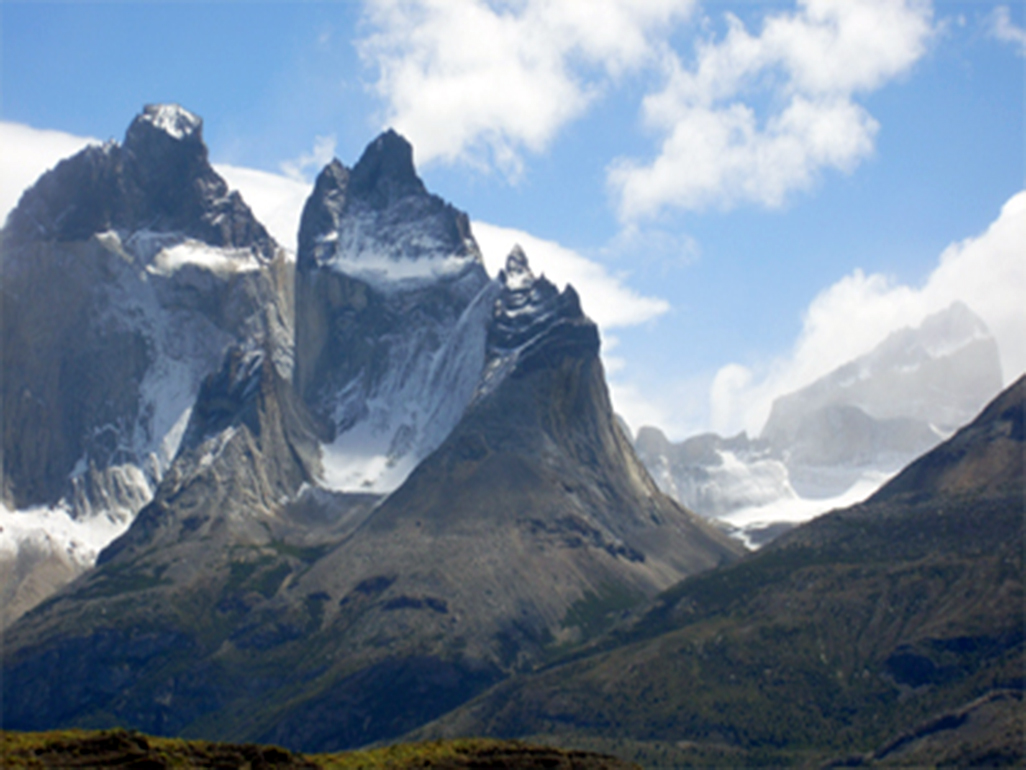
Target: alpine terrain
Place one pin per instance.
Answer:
(837, 440)
(127, 271)
(349, 513)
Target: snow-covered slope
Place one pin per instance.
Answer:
(836, 441)
(392, 306)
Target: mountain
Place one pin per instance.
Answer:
(531, 527)
(128, 270)
(838, 439)
(392, 300)
(891, 631)
(423, 493)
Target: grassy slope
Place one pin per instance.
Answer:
(862, 626)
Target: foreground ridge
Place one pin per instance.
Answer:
(106, 748)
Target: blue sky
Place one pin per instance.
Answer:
(746, 194)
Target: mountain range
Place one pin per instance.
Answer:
(838, 439)
(369, 492)
(398, 476)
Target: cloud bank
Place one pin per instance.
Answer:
(986, 272)
(277, 201)
(25, 153)
(482, 82)
(809, 66)
(746, 118)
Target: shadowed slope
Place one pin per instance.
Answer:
(845, 632)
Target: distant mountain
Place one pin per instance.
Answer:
(127, 271)
(841, 436)
(275, 587)
(891, 631)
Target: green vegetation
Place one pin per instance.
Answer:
(117, 579)
(83, 748)
(598, 610)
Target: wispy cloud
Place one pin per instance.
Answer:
(810, 65)
(1003, 28)
(482, 82)
(302, 168)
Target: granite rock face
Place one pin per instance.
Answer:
(128, 270)
(392, 301)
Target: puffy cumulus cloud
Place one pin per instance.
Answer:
(851, 317)
(809, 66)
(482, 82)
(1003, 28)
(277, 201)
(26, 153)
(605, 298)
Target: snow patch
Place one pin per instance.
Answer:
(412, 411)
(175, 121)
(798, 510)
(388, 274)
(222, 262)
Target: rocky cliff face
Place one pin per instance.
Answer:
(392, 300)
(127, 271)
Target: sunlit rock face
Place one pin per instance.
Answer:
(128, 270)
(835, 441)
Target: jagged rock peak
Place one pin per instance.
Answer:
(517, 273)
(322, 213)
(159, 179)
(529, 305)
(375, 221)
(172, 119)
(385, 171)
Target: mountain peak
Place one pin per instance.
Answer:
(174, 120)
(517, 274)
(385, 171)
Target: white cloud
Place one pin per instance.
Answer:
(26, 153)
(851, 317)
(809, 65)
(322, 154)
(482, 82)
(605, 298)
(275, 200)
(1003, 28)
